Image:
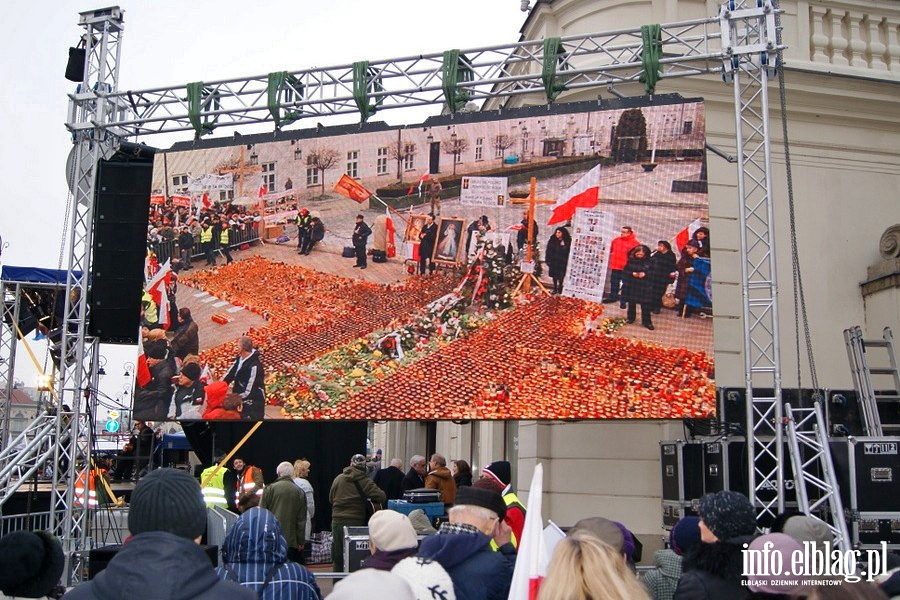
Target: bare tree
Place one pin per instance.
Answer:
(401, 151)
(322, 159)
(454, 147)
(501, 143)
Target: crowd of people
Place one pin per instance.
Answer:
(471, 555)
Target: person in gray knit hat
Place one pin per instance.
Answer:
(713, 570)
(162, 558)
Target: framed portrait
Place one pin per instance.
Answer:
(414, 228)
(449, 240)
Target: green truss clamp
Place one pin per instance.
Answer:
(652, 38)
(282, 84)
(552, 55)
(456, 70)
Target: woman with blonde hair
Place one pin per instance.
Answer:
(585, 568)
(301, 480)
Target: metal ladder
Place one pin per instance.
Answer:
(859, 355)
(814, 474)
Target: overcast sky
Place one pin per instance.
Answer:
(168, 43)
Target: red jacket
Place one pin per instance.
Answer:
(619, 249)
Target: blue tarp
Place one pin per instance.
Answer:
(35, 275)
(175, 441)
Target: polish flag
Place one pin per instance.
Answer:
(533, 555)
(156, 287)
(391, 243)
(206, 375)
(205, 200)
(584, 193)
(263, 190)
(419, 185)
(142, 375)
(684, 236)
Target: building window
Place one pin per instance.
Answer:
(226, 195)
(500, 146)
(409, 157)
(268, 176)
(687, 127)
(312, 176)
(179, 184)
(381, 163)
(353, 164)
(479, 148)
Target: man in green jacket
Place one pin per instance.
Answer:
(288, 503)
(348, 496)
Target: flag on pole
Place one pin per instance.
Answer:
(532, 557)
(142, 375)
(205, 200)
(349, 187)
(684, 236)
(419, 184)
(206, 375)
(263, 190)
(391, 241)
(156, 287)
(584, 193)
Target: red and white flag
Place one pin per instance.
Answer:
(206, 375)
(391, 240)
(584, 193)
(532, 557)
(205, 200)
(684, 236)
(142, 375)
(263, 190)
(156, 287)
(419, 185)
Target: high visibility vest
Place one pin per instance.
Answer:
(214, 490)
(206, 235)
(246, 484)
(151, 313)
(86, 488)
(223, 236)
(510, 499)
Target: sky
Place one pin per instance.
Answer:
(167, 43)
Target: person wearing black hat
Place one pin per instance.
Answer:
(348, 496)
(30, 565)
(498, 476)
(464, 546)
(713, 570)
(361, 233)
(162, 560)
(187, 399)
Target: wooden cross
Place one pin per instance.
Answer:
(239, 171)
(532, 202)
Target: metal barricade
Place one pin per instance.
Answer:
(36, 521)
(218, 523)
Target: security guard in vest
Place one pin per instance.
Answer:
(500, 473)
(224, 235)
(206, 243)
(213, 481)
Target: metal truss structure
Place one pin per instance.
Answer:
(739, 43)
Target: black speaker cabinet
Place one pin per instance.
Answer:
(121, 215)
(682, 470)
(724, 465)
(868, 470)
(98, 558)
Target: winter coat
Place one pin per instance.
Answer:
(522, 234)
(361, 233)
(684, 263)
(634, 288)
(427, 238)
(249, 382)
(385, 561)
(390, 480)
(477, 571)
(288, 503)
(619, 249)
(412, 481)
(307, 489)
(442, 480)
(215, 397)
(152, 401)
(318, 231)
(662, 265)
(186, 400)
(462, 479)
(346, 502)
(255, 548)
(713, 571)
(186, 340)
(159, 565)
(557, 255)
(662, 581)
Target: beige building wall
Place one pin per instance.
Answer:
(843, 113)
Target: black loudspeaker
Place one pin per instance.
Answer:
(121, 215)
(75, 65)
(98, 558)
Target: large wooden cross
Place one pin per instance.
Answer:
(532, 201)
(239, 171)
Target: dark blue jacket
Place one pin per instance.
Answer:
(477, 571)
(159, 566)
(254, 549)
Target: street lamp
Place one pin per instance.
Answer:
(454, 144)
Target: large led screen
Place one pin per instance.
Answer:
(294, 313)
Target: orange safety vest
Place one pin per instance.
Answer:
(246, 484)
(86, 487)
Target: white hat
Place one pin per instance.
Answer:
(390, 531)
(366, 584)
(426, 577)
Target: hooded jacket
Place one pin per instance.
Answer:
(662, 581)
(254, 549)
(159, 565)
(215, 399)
(442, 480)
(346, 502)
(713, 571)
(477, 571)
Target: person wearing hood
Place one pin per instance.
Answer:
(349, 492)
(684, 537)
(463, 546)
(713, 570)
(254, 555)
(441, 479)
(162, 560)
(30, 565)
(220, 404)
